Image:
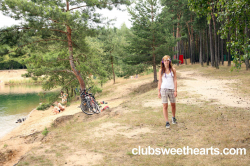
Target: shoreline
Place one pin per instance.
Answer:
(27, 117)
(15, 144)
(36, 120)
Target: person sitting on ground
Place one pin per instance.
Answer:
(64, 97)
(61, 107)
(55, 109)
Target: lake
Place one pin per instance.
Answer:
(16, 102)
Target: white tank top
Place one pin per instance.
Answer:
(168, 81)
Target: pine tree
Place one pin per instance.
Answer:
(65, 22)
(150, 39)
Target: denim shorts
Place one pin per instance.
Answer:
(167, 93)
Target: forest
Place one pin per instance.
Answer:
(66, 42)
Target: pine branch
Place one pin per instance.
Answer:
(47, 29)
(78, 7)
(68, 83)
(80, 49)
(69, 71)
(36, 42)
(93, 4)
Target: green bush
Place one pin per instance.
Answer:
(45, 131)
(52, 97)
(175, 61)
(44, 106)
(149, 71)
(95, 90)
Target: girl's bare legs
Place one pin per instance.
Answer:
(165, 111)
(173, 109)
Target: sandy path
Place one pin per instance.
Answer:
(207, 89)
(213, 89)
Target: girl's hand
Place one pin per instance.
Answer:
(159, 95)
(175, 94)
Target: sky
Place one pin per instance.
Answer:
(121, 17)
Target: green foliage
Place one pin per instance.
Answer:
(151, 38)
(44, 106)
(236, 13)
(95, 90)
(175, 61)
(52, 97)
(48, 99)
(233, 18)
(9, 38)
(45, 131)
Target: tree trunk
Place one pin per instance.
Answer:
(192, 47)
(173, 36)
(247, 63)
(236, 50)
(189, 48)
(201, 57)
(215, 43)
(153, 46)
(219, 56)
(178, 43)
(185, 52)
(246, 59)
(229, 51)
(197, 48)
(72, 92)
(207, 46)
(203, 45)
(211, 44)
(72, 64)
(222, 53)
(67, 90)
(182, 48)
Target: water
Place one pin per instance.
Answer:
(16, 102)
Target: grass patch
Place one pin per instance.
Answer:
(43, 106)
(5, 146)
(45, 131)
(27, 81)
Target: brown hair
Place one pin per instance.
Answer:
(163, 69)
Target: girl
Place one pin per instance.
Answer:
(55, 109)
(167, 87)
(62, 108)
(64, 97)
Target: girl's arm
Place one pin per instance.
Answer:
(159, 82)
(175, 80)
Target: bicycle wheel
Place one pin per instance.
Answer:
(95, 107)
(85, 108)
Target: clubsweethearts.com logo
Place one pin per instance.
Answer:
(187, 151)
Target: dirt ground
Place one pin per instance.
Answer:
(128, 120)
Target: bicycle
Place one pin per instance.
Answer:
(88, 103)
